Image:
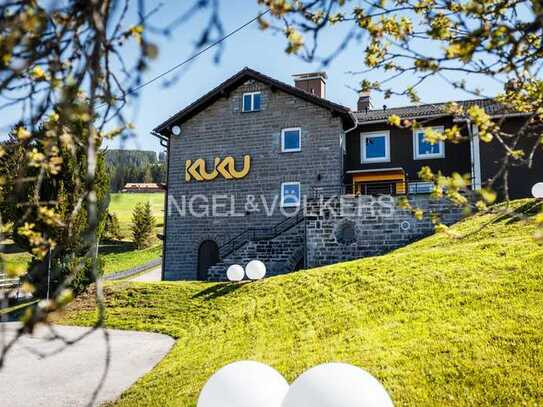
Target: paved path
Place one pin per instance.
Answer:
(70, 377)
(153, 275)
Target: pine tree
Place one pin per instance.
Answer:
(143, 224)
(112, 228)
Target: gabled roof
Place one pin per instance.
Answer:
(230, 84)
(490, 106)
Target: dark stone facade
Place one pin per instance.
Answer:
(281, 255)
(338, 231)
(222, 130)
(343, 229)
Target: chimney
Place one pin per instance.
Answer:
(314, 83)
(364, 103)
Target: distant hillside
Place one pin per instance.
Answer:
(444, 321)
(134, 166)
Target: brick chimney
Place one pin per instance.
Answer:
(364, 103)
(314, 83)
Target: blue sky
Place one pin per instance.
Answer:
(260, 50)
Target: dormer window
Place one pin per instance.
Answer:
(251, 102)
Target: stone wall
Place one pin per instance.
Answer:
(352, 228)
(280, 255)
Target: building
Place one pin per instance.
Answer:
(255, 143)
(141, 187)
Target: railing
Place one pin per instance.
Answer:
(263, 233)
(373, 188)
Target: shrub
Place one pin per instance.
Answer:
(112, 228)
(79, 270)
(143, 224)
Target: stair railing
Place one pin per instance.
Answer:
(263, 233)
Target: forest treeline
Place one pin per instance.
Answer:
(134, 166)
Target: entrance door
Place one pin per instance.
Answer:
(208, 255)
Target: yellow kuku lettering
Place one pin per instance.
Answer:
(222, 168)
(244, 171)
(227, 168)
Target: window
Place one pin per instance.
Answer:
(424, 149)
(290, 194)
(421, 187)
(291, 140)
(251, 102)
(375, 147)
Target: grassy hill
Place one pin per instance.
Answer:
(443, 321)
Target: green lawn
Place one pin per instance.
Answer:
(117, 256)
(440, 322)
(121, 257)
(124, 260)
(16, 262)
(123, 205)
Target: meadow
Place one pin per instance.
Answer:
(444, 321)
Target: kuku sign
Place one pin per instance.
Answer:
(226, 168)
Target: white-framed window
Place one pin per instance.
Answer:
(291, 193)
(251, 101)
(375, 146)
(423, 149)
(291, 140)
(421, 187)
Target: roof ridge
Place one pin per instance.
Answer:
(433, 104)
(210, 96)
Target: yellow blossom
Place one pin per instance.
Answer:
(38, 73)
(22, 134)
(295, 40)
(488, 195)
(394, 120)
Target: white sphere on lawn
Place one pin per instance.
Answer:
(244, 384)
(235, 273)
(336, 384)
(537, 190)
(255, 270)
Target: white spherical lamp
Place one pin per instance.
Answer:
(235, 273)
(336, 384)
(244, 384)
(537, 190)
(255, 270)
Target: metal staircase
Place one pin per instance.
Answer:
(263, 233)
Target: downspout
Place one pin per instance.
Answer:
(356, 124)
(473, 131)
(164, 142)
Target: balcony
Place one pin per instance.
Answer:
(374, 188)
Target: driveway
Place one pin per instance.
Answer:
(70, 377)
(150, 276)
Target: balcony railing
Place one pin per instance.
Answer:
(410, 187)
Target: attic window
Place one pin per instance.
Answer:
(251, 102)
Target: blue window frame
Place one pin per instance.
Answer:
(425, 150)
(291, 140)
(375, 147)
(290, 194)
(251, 102)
